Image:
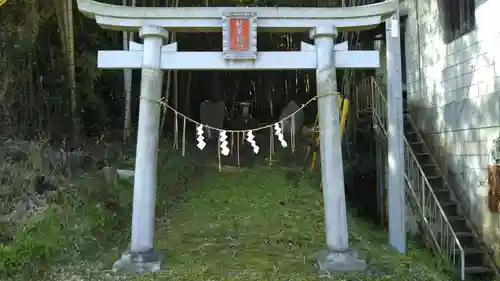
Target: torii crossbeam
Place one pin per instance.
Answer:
(171, 59)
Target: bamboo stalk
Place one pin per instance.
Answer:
(127, 73)
(170, 78)
(72, 68)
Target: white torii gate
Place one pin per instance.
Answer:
(240, 53)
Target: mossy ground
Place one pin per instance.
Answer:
(239, 224)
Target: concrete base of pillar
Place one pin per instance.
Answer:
(138, 262)
(340, 261)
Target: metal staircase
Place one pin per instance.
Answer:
(442, 220)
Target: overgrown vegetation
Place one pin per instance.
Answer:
(239, 224)
(35, 82)
(36, 58)
(78, 220)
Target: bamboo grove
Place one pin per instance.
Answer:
(50, 85)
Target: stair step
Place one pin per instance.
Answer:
(467, 240)
(442, 194)
(440, 190)
(412, 137)
(418, 150)
(452, 210)
(365, 119)
(416, 145)
(367, 111)
(477, 269)
(469, 251)
(457, 218)
(447, 204)
(428, 167)
(464, 234)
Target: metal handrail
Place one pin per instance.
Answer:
(421, 206)
(453, 192)
(433, 159)
(426, 148)
(425, 188)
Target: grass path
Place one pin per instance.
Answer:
(257, 225)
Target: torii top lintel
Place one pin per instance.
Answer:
(208, 19)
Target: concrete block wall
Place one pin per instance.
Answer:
(455, 88)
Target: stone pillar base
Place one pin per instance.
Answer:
(138, 262)
(340, 261)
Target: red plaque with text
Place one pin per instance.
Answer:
(239, 34)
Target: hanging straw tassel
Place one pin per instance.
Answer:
(238, 147)
(292, 133)
(271, 142)
(218, 156)
(184, 137)
(232, 141)
(176, 132)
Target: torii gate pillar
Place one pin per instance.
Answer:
(141, 257)
(337, 256)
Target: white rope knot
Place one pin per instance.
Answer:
(201, 140)
(278, 131)
(223, 143)
(250, 139)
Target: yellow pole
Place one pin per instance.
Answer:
(343, 118)
(344, 105)
(2, 2)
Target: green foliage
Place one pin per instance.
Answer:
(254, 224)
(34, 96)
(81, 221)
(35, 92)
(75, 224)
(239, 224)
